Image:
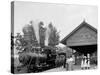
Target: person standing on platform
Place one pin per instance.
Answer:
(88, 61)
(70, 63)
(73, 59)
(82, 62)
(67, 63)
(64, 65)
(85, 62)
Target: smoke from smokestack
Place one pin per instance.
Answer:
(36, 29)
(47, 35)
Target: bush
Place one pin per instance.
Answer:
(24, 58)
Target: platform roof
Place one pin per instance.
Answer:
(79, 35)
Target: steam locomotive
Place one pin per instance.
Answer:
(38, 59)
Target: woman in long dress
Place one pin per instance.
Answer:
(82, 62)
(88, 61)
(85, 62)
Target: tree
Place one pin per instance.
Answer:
(12, 44)
(42, 34)
(28, 39)
(29, 35)
(20, 43)
(53, 36)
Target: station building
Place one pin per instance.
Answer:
(83, 39)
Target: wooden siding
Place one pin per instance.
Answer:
(83, 36)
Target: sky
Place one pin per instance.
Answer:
(65, 17)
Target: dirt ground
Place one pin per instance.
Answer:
(75, 67)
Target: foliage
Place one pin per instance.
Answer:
(28, 40)
(20, 43)
(12, 43)
(29, 34)
(53, 36)
(42, 34)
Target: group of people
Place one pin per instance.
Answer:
(70, 62)
(85, 62)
